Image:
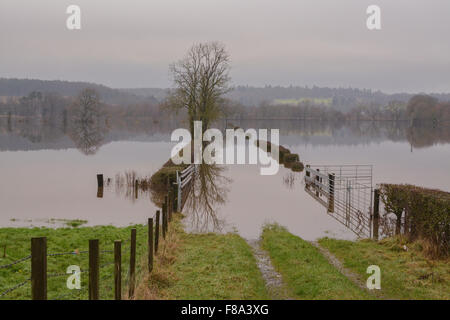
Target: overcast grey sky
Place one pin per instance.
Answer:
(130, 43)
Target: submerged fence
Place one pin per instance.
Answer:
(346, 192)
(101, 267)
(184, 184)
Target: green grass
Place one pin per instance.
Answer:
(404, 274)
(15, 242)
(295, 102)
(70, 223)
(306, 272)
(204, 267)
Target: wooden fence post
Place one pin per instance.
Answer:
(164, 219)
(169, 206)
(100, 180)
(376, 213)
(132, 262)
(166, 201)
(94, 270)
(317, 186)
(118, 270)
(331, 192)
(157, 232)
(136, 188)
(150, 244)
(39, 268)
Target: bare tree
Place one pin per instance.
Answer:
(201, 79)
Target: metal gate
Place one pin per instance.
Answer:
(346, 192)
(184, 183)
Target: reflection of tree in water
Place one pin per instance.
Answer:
(86, 128)
(208, 191)
(87, 137)
(425, 135)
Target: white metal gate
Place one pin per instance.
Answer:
(346, 192)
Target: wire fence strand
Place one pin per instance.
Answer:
(15, 262)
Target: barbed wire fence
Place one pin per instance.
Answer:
(107, 260)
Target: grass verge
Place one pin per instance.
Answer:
(306, 272)
(405, 271)
(203, 267)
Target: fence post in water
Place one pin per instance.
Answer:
(150, 244)
(118, 270)
(157, 232)
(132, 262)
(93, 270)
(331, 192)
(376, 213)
(39, 268)
(100, 180)
(136, 188)
(317, 185)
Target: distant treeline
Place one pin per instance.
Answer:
(56, 104)
(54, 107)
(418, 109)
(24, 87)
(341, 99)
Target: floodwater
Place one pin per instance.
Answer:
(48, 176)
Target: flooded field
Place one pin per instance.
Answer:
(48, 177)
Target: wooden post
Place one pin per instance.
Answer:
(99, 192)
(317, 185)
(132, 263)
(157, 232)
(175, 197)
(376, 213)
(39, 268)
(166, 201)
(136, 188)
(94, 271)
(178, 192)
(118, 270)
(331, 192)
(164, 219)
(100, 180)
(150, 244)
(169, 206)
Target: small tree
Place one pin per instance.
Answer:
(201, 79)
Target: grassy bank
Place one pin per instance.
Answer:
(203, 266)
(406, 273)
(306, 272)
(15, 244)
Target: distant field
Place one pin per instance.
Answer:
(295, 102)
